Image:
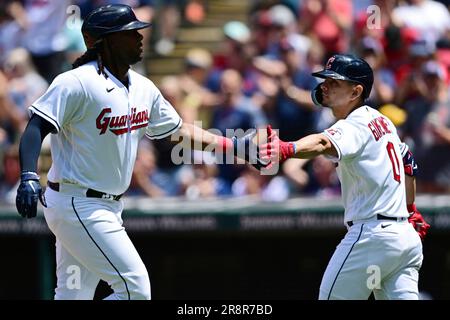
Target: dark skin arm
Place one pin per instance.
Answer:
(31, 142)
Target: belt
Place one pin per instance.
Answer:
(90, 193)
(381, 217)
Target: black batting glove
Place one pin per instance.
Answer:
(28, 193)
(246, 149)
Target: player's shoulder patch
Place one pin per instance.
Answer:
(336, 132)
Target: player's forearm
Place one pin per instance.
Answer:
(31, 142)
(312, 146)
(29, 148)
(410, 167)
(410, 185)
(201, 138)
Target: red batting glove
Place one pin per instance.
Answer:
(276, 149)
(418, 221)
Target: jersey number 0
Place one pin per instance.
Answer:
(394, 161)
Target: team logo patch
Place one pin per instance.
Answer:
(122, 124)
(335, 133)
(330, 62)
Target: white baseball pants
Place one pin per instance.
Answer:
(379, 256)
(92, 244)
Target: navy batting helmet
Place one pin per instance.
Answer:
(349, 68)
(111, 18)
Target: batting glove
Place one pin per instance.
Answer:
(28, 193)
(275, 149)
(244, 148)
(418, 222)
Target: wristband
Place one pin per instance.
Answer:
(29, 175)
(294, 148)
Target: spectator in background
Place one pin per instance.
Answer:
(443, 54)
(384, 83)
(197, 98)
(260, 25)
(9, 174)
(168, 20)
(324, 182)
(295, 110)
(12, 121)
(428, 125)
(147, 179)
(269, 72)
(328, 20)
(44, 23)
(11, 125)
(167, 170)
(236, 53)
(296, 175)
(265, 187)
(315, 177)
(364, 27)
(200, 179)
(10, 29)
(430, 18)
(171, 88)
(25, 84)
(286, 87)
(409, 76)
(237, 36)
(235, 111)
(283, 26)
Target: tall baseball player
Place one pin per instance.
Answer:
(97, 113)
(381, 253)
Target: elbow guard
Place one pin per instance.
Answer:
(409, 164)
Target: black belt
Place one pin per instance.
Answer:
(379, 217)
(90, 193)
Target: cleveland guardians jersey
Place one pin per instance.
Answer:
(99, 123)
(369, 165)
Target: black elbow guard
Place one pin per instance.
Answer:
(409, 164)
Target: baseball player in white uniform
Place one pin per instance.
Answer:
(97, 113)
(382, 252)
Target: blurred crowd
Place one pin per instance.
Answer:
(260, 74)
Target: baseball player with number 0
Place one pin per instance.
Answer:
(97, 114)
(381, 252)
